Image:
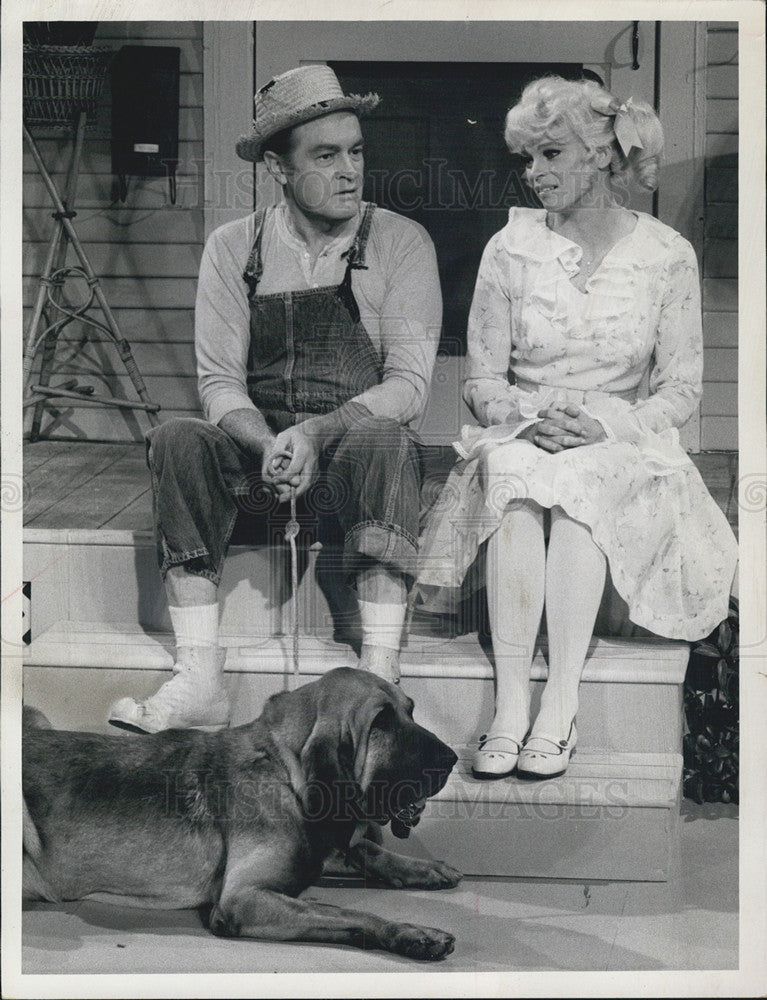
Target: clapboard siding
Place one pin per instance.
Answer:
(151, 326)
(96, 191)
(722, 45)
(720, 329)
(145, 251)
(78, 357)
(148, 32)
(97, 157)
(719, 433)
(98, 365)
(720, 295)
(721, 185)
(119, 260)
(112, 224)
(721, 222)
(722, 148)
(720, 240)
(722, 81)
(720, 400)
(190, 54)
(99, 423)
(720, 364)
(176, 392)
(134, 292)
(100, 128)
(722, 115)
(720, 258)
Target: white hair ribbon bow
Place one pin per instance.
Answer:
(625, 129)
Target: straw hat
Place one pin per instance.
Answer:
(295, 97)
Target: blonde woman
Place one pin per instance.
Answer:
(584, 357)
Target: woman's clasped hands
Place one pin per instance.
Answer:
(563, 425)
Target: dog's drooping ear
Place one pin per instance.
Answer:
(361, 724)
(332, 796)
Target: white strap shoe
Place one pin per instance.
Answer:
(544, 757)
(497, 756)
(194, 698)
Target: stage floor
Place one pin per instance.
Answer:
(84, 484)
(500, 924)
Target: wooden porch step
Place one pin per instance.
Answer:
(612, 816)
(630, 695)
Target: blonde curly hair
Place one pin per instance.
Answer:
(553, 108)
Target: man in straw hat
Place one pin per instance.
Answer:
(316, 328)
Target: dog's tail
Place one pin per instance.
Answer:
(33, 718)
(34, 885)
(30, 836)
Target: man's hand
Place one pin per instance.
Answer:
(564, 426)
(290, 462)
(249, 430)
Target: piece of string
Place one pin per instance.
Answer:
(291, 534)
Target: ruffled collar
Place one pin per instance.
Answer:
(527, 235)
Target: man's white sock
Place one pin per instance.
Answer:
(382, 624)
(195, 626)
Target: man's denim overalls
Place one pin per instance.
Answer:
(309, 354)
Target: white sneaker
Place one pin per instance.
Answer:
(194, 698)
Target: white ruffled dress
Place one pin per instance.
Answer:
(628, 350)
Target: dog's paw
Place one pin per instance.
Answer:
(221, 924)
(426, 875)
(425, 944)
(443, 876)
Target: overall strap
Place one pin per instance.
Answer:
(355, 262)
(255, 265)
(356, 253)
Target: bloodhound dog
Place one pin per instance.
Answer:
(240, 822)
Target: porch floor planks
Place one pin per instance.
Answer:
(40, 453)
(61, 473)
(134, 516)
(87, 484)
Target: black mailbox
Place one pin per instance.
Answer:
(145, 112)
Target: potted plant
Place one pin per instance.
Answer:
(63, 72)
(711, 703)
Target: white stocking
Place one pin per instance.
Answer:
(575, 579)
(516, 560)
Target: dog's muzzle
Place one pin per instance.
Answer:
(403, 821)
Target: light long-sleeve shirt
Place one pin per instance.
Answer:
(630, 344)
(398, 296)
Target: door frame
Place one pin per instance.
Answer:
(230, 49)
(227, 63)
